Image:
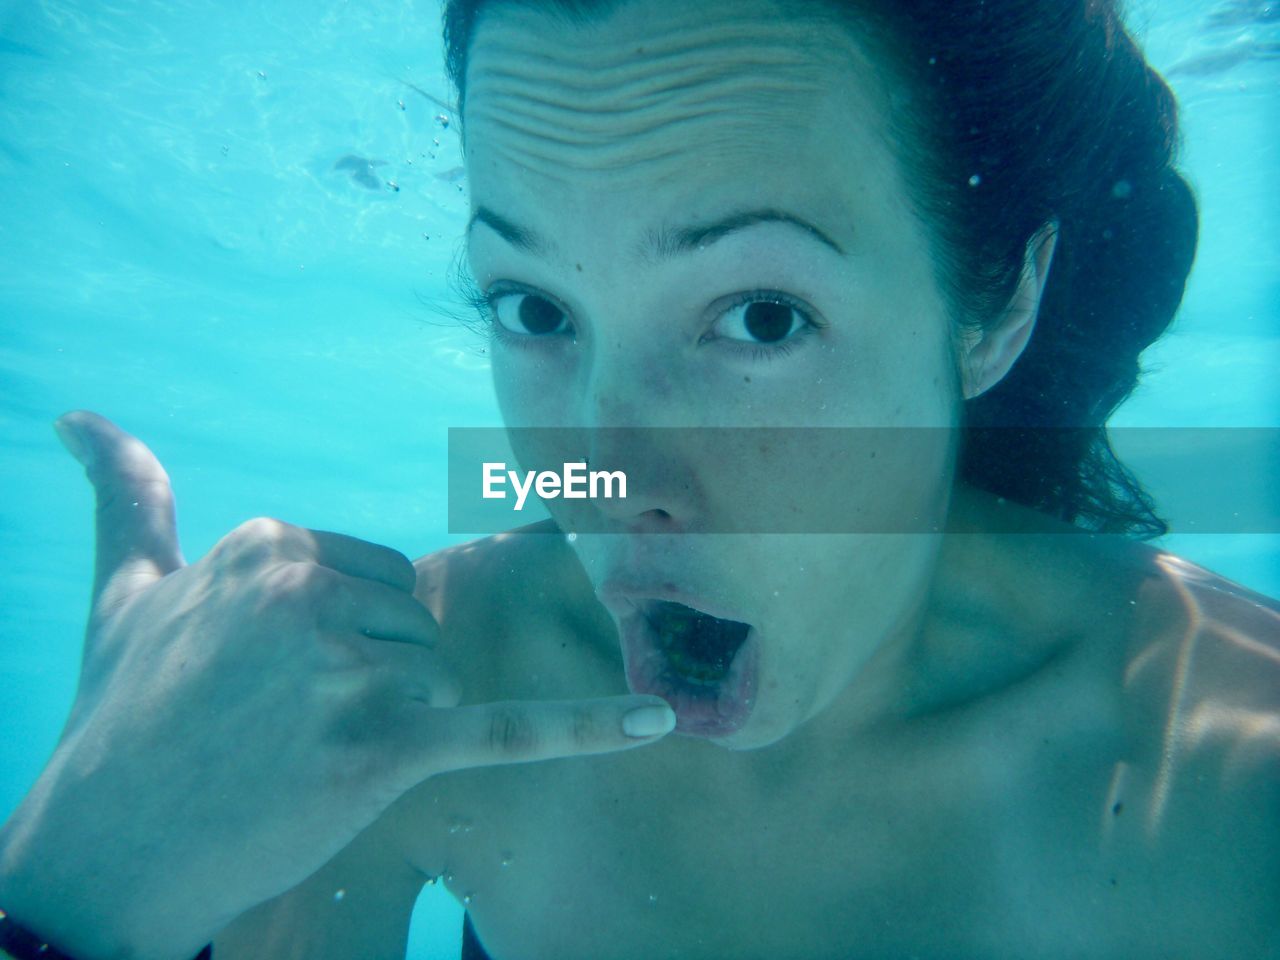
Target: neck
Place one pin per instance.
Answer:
(975, 631)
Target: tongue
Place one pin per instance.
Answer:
(698, 645)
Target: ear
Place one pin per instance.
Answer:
(989, 354)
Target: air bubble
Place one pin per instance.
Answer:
(467, 898)
(339, 894)
(571, 537)
(975, 180)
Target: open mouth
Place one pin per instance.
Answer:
(704, 666)
(698, 647)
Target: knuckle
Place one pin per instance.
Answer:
(258, 529)
(584, 726)
(251, 544)
(511, 732)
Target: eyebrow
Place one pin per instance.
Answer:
(661, 244)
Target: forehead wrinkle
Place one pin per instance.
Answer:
(651, 120)
(684, 72)
(585, 76)
(665, 152)
(571, 99)
(590, 97)
(732, 120)
(751, 41)
(577, 104)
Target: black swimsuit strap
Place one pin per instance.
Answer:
(471, 949)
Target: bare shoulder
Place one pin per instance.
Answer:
(498, 600)
(521, 564)
(1204, 655)
(1178, 671)
(1201, 782)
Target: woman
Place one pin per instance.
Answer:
(888, 219)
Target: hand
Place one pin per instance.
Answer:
(241, 719)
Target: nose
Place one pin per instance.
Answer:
(662, 492)
(634, 421)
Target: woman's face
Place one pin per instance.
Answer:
(689, 215)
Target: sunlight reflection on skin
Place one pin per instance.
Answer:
(1174, 732)
(1189, 724)
(1241, 728)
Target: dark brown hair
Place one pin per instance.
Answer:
(1025, 112)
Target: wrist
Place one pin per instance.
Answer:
(19, 943)
(81, 909)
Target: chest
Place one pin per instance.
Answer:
(663, 852)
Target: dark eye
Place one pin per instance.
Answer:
(761, 320)
(527, 314)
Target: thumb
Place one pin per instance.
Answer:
(137, 538)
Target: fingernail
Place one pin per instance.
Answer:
(649, 721)
(70, 438)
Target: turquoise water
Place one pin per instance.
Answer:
(184, 248)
